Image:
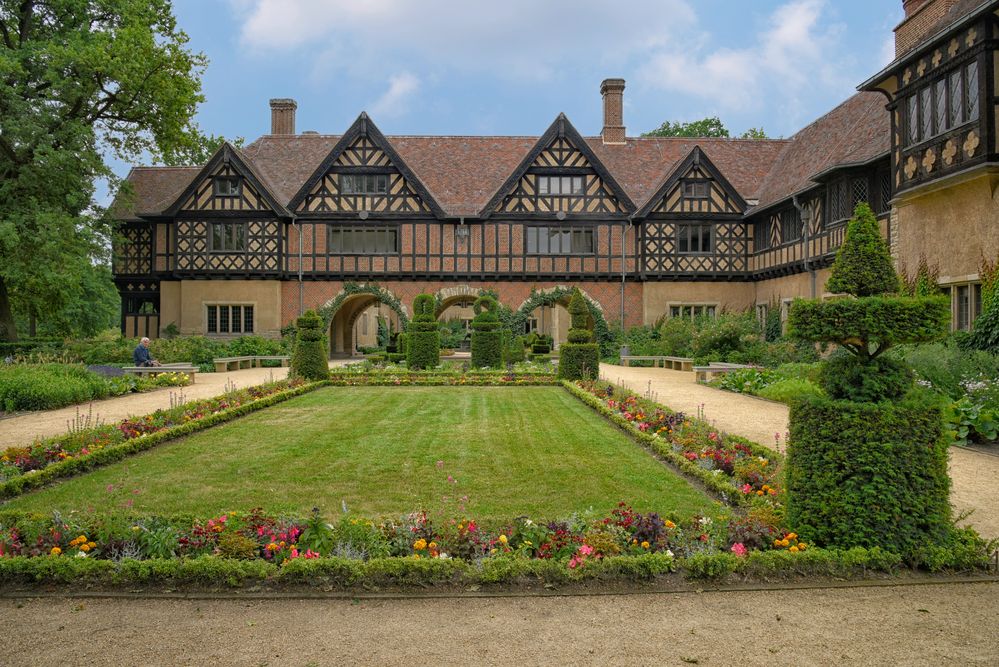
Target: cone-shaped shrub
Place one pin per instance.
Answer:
(423, 342)
(487, 338)
(309, 357)
(863, 264)
(579, 358)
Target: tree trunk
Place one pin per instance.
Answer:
(8, 332)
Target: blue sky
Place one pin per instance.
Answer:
(445, 67)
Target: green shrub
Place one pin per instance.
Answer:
(867, 475)
(722, 337)
(515, 350)
(487, 338)
(48, 386)
(247, 346)
(197, 350)
(423, 344)
(849, 377)
(788, 389)
(402, 344)
(985, 335)
(579, 358)
(309, 358)
(863, 265)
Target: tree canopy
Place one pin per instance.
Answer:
(706, 127)
(82, 80)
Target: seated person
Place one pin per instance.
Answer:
(141, 355)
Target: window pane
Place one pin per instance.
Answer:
(976, 302)
(912, 119)
(674, 311)
(956, 99)
(247, 319)
(577, 185)
(940, 102)
(972, 71)
(706, 238)
(213, 324)
(683, 238)
(566, 238)
(237, 319)
(336, 242)
(542, 240)
(223, 319)
(543, 185)
(963, 305)
(710, 310)
(532, 240)
(926, 113)
(217, 231)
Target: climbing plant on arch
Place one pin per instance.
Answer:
(329, 310)
(561, 294)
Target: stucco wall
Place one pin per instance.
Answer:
(183, 303)
(790, 287)
(729, 296)
(952, 227)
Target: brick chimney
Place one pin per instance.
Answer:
(921, 17)
(612, 91)
(283, 115)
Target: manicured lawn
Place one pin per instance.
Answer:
(513, 451)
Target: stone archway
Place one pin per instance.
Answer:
(455, 303)
(341, 314)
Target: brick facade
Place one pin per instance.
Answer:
(921, 16)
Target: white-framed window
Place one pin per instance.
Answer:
(965, 305)
(226, 186)
(227, 318)
(560, 185)
(363, 184)
(692, 310)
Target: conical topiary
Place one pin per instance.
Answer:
(424, 340)
(487, 338)
(579, 358)
(863, 265)
(308, 360)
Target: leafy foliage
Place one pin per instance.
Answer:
(579, 358)
(706, 127)
(487, 339)
(863, 264)
(868, 475)
(309, 357)
(849, 377)
(423, 341)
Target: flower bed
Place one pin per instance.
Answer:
(254, 548)
(25, 468)
(432, 379)
(739, 471)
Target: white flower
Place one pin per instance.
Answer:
(704, 521)
(669, 553)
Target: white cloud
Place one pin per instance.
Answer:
(786, 59)
(517, 38)
(395, 100)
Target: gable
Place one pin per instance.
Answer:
(203, 198)
(695, 187)
(364, 173)
(561, 175)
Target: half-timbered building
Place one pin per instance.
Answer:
(359, 223)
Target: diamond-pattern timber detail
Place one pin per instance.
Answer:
(595, 197)
(728, 255)
(263, 246)
(134, 250)
(400, 197)
(715, 199)
(204, 198)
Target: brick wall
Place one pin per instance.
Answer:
(512, 294)
(921, 17)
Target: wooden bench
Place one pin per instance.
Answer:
(674, 363)
(185, 368)
(705, 373)
(223, 364)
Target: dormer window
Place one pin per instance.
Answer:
(226, 186)
(363, 184)
(695, 189)
(560, 185)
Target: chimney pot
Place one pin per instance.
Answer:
(612, 90)
(283, 115)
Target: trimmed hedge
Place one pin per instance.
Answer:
(868, 475)
(487, 338)
(579, 358)
(309, 359)
(424, 340)
(888, 320)
(851, 378)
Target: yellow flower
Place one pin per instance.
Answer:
(92, 545)
(84, 547)
(420, 544)
(785, 542)
(81, 538)
(670, 524)
(502, 539)
(645, 545)
(55, 551)
(793, 550)
(802, 546)
(432, 545)
(792, 536)
(634, 541)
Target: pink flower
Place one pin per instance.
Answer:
(644, 426)
(739, 549)
(294, 553)
(746, 488)
(586, 550)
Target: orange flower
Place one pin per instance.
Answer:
(55, 551)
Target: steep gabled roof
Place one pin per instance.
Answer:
(856, 132)
(365, 127)
(560, 128)
(696, 158)
(228, 154)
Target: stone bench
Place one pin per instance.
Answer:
(674, 363)
(185, 368)
(705, 373)
(224, 364)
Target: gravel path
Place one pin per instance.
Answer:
(974, 474)
(939, 624)
(25, 428)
